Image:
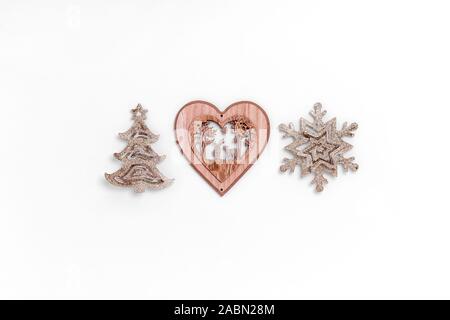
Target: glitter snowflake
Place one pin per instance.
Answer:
(318, 148)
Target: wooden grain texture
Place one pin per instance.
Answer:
(224, 175)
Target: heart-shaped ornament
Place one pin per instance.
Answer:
(222, 146)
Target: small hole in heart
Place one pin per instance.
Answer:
(221, 189)
(221, 115)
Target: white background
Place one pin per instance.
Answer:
(70, 71)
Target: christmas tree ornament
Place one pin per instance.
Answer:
(139, 161)
(318, 147)
(222, 146)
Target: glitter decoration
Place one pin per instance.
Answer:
(318, 147)
(138, 158)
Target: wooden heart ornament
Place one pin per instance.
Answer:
(222, 146)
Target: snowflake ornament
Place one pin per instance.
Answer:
(318, 148)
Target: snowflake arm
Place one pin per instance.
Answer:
(347, 130)
(289, 131)
(317, 114)
(348, 164)
(289, 164)
(319, 180)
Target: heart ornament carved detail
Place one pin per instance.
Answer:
(222, 145)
